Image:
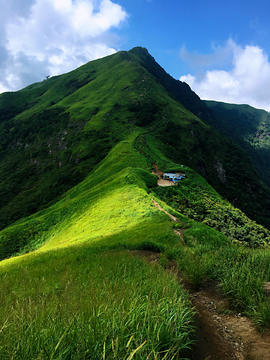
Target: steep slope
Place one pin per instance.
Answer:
(180, 91)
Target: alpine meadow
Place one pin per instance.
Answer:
(83, 161)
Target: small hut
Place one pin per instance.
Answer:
(173, 177)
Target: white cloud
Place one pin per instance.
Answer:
(247, 82)
(220, 56)
(54, 36)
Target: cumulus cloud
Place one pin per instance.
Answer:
(246, 82)
(45, 37)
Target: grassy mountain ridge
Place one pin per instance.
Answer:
(110, 200)
(180, 91)
(63, 126)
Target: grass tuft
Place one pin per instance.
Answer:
(86, 306)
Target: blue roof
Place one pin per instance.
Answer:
(174, 176)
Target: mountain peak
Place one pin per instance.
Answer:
(53, 134)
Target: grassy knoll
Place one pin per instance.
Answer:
(54, 133)
(87, 208)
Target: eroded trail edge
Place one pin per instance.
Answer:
(178, 232)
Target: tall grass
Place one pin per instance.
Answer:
(87, 306)
(242, 282)
(241, 273)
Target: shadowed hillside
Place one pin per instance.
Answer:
(250, 128)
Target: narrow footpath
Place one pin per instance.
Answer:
(218, 336)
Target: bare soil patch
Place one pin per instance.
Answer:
(157, 172)
(244, 339)
(180, 233)
(166, 212)
(162, 182)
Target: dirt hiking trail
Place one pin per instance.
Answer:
(218, 336)
(179, 231)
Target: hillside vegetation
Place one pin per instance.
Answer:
(78, 152)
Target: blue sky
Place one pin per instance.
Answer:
(220, 48)
(164, 27)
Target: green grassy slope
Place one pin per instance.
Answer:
(48, 143)
(64, 126)
(110, 206)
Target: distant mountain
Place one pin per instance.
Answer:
(250, 128)
(56, 133)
